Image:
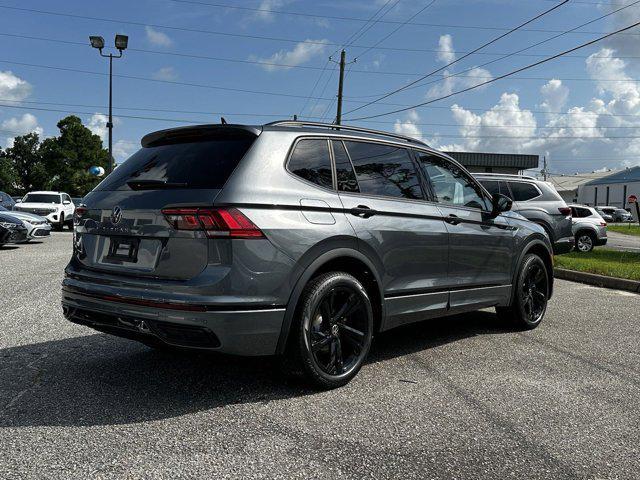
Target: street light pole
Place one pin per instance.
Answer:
(121, 42)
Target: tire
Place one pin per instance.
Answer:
(60, 226)
(530, 299)
(585, 241)
(331, 332)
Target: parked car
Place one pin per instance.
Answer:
(538, 201)
(56, 207)
(37, 226)
(296, 239)
(615, 214)
(11, 229)
(589, 228)
(607, 217)
(6, 201)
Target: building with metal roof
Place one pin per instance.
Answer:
(613, 190)
(568, 184)
(479, 162)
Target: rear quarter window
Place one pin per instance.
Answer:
(311, 161)
(200, 164)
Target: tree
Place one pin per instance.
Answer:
(8, 177)
(70, 156)
(26, 163)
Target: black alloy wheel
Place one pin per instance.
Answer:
(337, 333)
(333, 331)
(534, 291)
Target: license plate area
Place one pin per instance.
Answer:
(122, 249)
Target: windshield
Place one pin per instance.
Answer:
(199, 164)
(41, 198)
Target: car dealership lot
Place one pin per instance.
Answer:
(461, 397)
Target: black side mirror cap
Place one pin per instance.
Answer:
(500, 203)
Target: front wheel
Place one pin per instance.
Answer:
(60, 226)
(331, 334)
(529, 302)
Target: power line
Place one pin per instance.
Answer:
(274, 39)
(459, 74)
(500, 77)
(484, 45)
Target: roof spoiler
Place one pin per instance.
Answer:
(198, 132)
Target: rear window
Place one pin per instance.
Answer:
(198, 164)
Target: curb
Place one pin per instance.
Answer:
(597, 280)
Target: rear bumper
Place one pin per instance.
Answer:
(225, 329)
(563, 245)
(601, 241)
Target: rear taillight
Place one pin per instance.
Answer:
(603, 224)
(215, 222)
(566, 211)
(80, 211)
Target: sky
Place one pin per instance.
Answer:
(255, 61)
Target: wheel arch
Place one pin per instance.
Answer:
(540, 248)
(345, 260)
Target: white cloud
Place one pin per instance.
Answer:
(266, 6)
(123, 149)
(13, 88)
(451, 83)
(157, 38)
(98, 125)
(554, 95)
(301, 53)
(165, 73)
(17, 126)
(409, 126)
(446, 52)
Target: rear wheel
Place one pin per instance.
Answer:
(585, 241)
(331, 334)
(532, 293)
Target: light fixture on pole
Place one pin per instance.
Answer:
(121, 43)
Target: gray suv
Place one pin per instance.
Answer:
(295, 239)
(538, 201)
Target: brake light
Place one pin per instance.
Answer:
(603, 224)
(80, 211)
(215, 222)
(566, 211)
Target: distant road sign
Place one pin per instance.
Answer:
(632, 199)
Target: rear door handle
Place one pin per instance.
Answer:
(362, 211)
(452, 219)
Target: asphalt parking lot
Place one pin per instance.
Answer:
(462, 397)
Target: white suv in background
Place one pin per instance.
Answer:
(56, 207)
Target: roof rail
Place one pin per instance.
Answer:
(508, 175)
(332, 126)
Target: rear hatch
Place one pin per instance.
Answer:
(121, 228)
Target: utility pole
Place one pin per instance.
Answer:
(343, 55)
(544, 168)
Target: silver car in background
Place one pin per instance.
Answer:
(537, 201)
(589, 228)
(37, 226)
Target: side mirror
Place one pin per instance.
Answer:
(19, 200)
(500, 203)
(66, 202)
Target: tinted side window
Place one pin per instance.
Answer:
(344, 170)
(384, 170)
(523, 191)
(492, 186)
(451, 185)
(310, 160)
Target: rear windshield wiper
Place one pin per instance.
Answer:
(154, 184)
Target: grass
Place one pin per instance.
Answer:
(626, 229)
(604, 262)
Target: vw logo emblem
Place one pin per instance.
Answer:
(116, 215)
